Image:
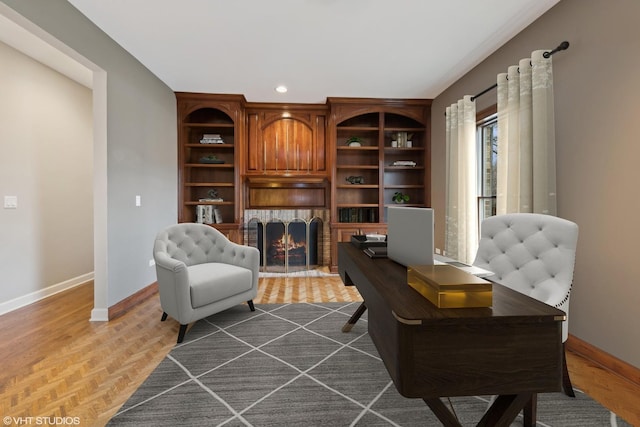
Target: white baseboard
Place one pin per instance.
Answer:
(99, 315)
(25, 300)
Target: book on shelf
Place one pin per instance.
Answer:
(208, 214)
(358, 215)
(403, 163)
(217, 216)
(204, 214)
(211, 138)
(402, 140)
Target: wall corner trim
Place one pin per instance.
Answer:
(99, 315)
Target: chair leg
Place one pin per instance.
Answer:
(566, 381)
(183, 330)
(251, 306)
(164, 317)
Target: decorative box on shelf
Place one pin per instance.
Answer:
(449, 287)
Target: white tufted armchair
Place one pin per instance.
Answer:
(535, 255)
(200, 273)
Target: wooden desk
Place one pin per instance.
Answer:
(512, 349)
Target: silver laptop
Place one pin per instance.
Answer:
(410, 235)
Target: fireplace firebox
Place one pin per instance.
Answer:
(287, 245)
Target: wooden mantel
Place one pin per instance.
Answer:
(287, 191)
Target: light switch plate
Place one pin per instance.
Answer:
(10, 202)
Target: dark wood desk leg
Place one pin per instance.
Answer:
(530, 410)
(443, 413)
(505, 409)
(354, 318)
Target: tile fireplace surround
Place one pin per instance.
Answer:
(265, 216)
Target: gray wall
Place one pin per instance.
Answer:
(46, 162)
(597, 111)
(140, 147)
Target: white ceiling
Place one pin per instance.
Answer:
(317, 48)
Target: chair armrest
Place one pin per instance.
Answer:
(173, 283)
(163, 260)
(243, 256)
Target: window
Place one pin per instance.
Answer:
(487, 136)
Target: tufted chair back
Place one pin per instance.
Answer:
(533, 254)
(195, 244)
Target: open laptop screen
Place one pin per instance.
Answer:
(410, 235)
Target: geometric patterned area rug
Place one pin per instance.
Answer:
(291, 365)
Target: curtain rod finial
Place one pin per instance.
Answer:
(562, 46)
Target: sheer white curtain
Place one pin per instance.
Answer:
(526, 174)
(461, 227)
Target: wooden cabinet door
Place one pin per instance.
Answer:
(286, 142)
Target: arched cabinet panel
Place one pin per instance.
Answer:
(282, 140)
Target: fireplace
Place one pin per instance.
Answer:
(288, 240)
(288, 246)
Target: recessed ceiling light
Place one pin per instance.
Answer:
(281, 89)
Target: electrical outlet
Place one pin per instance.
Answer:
(10, 202)
(138, 201)
(151, 263)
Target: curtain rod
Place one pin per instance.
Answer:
(562, 46)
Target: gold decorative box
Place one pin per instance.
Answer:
(449, 287)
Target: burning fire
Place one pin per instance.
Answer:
(289, 242)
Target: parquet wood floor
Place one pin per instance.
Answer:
(56, 363)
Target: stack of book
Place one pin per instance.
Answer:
(211, 138)
(402, 140)
(208, 214)
(404, 163)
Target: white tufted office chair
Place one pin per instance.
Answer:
(200, 273)
(535, 255)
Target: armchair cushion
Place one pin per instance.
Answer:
(216, 281)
